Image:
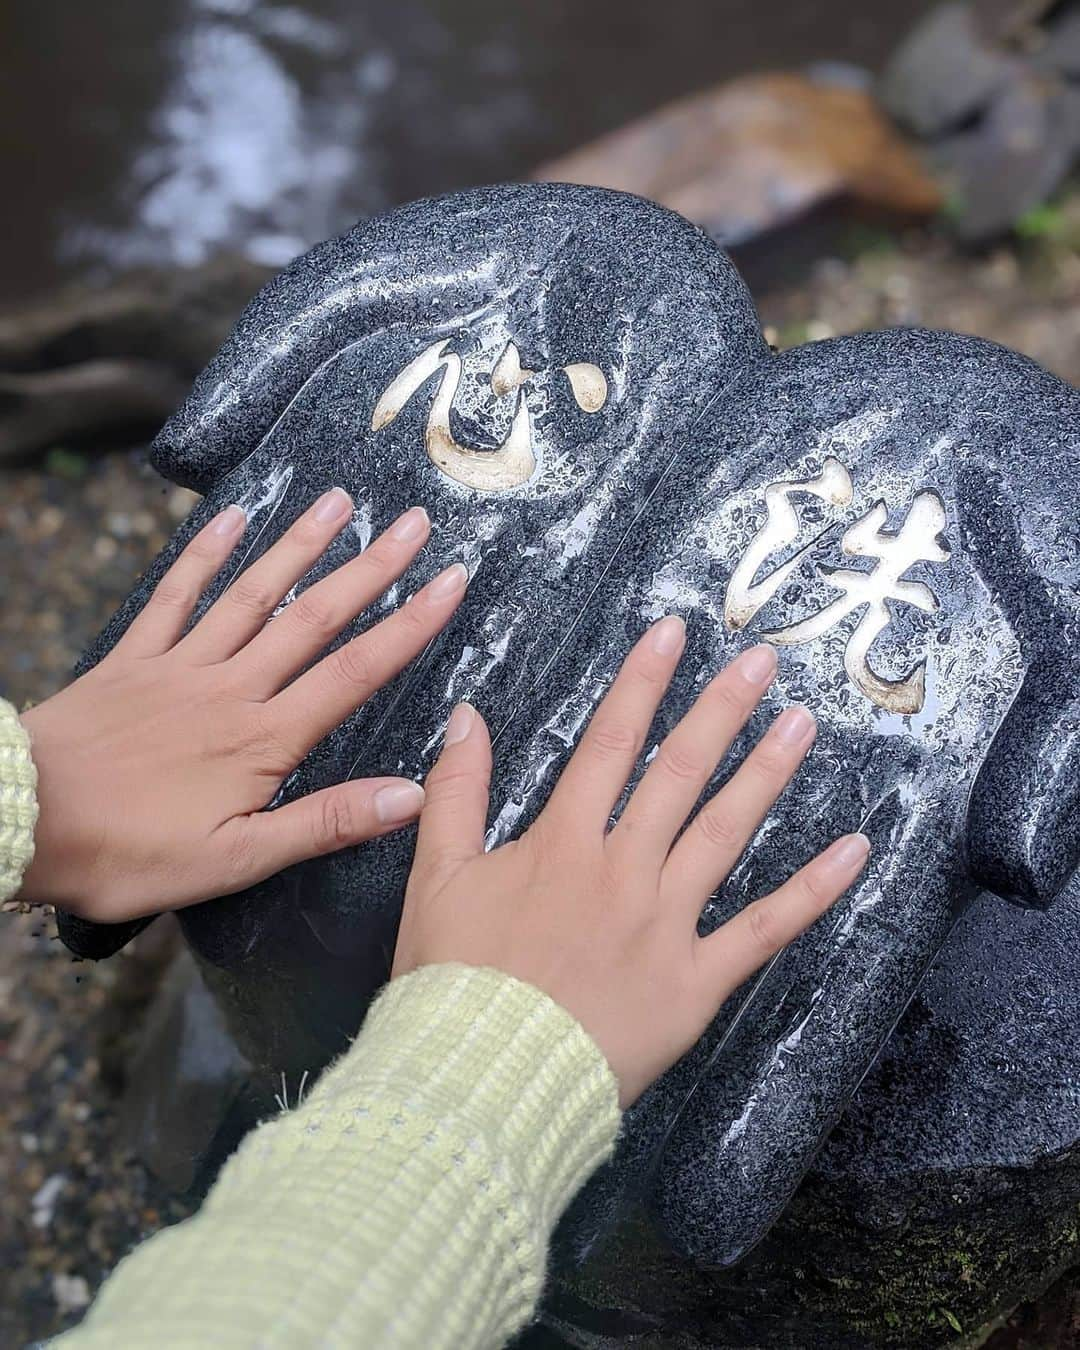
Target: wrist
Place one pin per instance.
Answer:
(59, 870)
(492, 1059)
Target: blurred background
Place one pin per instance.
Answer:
(868, 165)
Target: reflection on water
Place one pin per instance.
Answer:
(139, 133)
(234, 152)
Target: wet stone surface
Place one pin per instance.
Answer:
(892, 509)
(946, 1195)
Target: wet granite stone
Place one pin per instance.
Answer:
(978, 787)
(897, 509)
(948, 1193)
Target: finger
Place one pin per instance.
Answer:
(688, 757)
(734, 952)
(324, 696)
(172, 602)
(455, 811)
(721, 830)
(603, 762)
(323, 822)
(319, 614)
(252, 596)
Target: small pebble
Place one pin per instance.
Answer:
(71, 1293)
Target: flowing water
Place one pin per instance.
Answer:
(161, 131)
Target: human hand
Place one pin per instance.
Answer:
(155, 766)
(604, 920)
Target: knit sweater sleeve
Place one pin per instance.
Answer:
(18, 802)
(407, 1203)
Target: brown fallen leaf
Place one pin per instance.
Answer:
(756, 153)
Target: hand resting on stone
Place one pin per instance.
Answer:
(154, 767)
(602, 919)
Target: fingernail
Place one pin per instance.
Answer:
(332, 505)
(411, 525)
(398, 802)
(793, 726)
(669, 636)
(758, 665)
(447, 583)
(231, 521)
(848, 853)
(460, 724)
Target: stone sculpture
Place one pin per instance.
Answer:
(574, 383)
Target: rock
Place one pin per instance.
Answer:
(894, 510)
(185, 1078)
(1012, 160)
(947, 1194)
(71, 1292)
(945, 72)
(991, 86)
(904, 412)
(43, 1204)
(757, 153)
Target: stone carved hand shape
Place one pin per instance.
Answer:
(648, 502)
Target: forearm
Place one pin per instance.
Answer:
(408, 1202)
(18, 802)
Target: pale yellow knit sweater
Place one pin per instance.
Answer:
(408, 1202)
(18, 802)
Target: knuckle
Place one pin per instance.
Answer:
(411, 622)
(450, 784)
(764, 928)
(379, 559)
(354, 665)
(728, 700)
(652, 671)
(241, 854)
(717, 829)
(815, 886)
(307, 532)
(679, 763)
(312, 612)
(251, 596)
(406, 631)
(335, 822)
(769, 763)
(201, 550)
(612, 738)
(172, 594)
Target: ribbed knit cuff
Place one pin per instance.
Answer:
(455, 1042)
(407, 1203)
(18, 802)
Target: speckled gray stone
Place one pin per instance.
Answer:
(979, 787)
(952, 1183)
(647, 506)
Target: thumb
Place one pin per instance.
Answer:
(456, 802)
(323, 822)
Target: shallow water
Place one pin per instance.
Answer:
(162, 132)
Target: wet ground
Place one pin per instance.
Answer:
(74, 532)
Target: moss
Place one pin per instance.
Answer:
(821, 1281)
